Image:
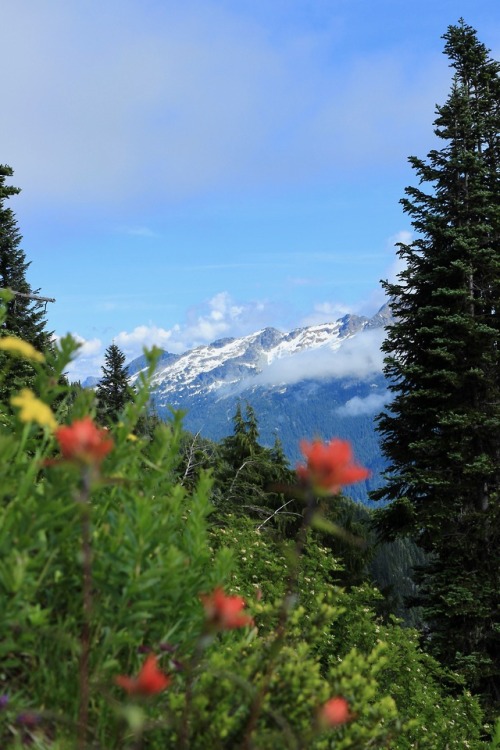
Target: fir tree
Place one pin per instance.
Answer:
(441, 432)
(250, 476)
(25, 317)
(113, 391)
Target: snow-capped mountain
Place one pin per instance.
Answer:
(322, 380)
(265, 357)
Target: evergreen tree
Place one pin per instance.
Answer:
(249, 476)
(113, 390)
(25, 317)
(441, 432)
(239, 447)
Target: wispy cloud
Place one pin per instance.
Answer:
(359, 356)
(222, 316)
(300, 281)
(357, 406)
(217, 317)
(172, 103)
(132, 342)
(88, 359)
(325, 312)
(395, 265)
(236, 265)
(405, 237)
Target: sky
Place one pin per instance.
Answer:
(206, 168)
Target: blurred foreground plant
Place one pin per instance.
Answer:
(108, 568)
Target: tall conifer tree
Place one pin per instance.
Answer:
(25, 317)
(113, 391)
(248, 473)
(441, 432)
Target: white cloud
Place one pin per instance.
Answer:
(403, 236)
(325, 312)
(88, 359)
(88, 347)
(394, 267)
(220, 314)
(357, 406)
(133, 342)
(399, 264)
(217, 317)
(359, 356)
(172, 100)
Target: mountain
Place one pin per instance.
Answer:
(140, 363)
(90, 382)
(319, 381)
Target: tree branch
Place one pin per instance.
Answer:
(32, 296)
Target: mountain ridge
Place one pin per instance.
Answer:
(228, 360)
(323, 380)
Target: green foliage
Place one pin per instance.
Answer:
(150, 557)
(251, 479)
(113, 391)
(107, 558)
(24, 317)
(391, 570)
(197, 454)
(360, 657)
(299, 411)
(233, 677)
(441, 430)
(354, 547)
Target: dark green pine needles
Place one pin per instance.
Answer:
(25, 316)
(441, 432)
(113, 391)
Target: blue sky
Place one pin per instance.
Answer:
(193, 170)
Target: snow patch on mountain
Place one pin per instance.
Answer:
(349, 347)
(357, 355)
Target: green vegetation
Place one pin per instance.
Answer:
(24, 316)
(106, 556)
(113, 391)
(441, 432)
(160, 590)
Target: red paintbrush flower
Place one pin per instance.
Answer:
(83, 442)
(149, 681)
(329, 465)
(224, 612)
(335, 712)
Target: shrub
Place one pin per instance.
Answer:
(116, 628)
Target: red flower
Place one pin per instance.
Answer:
(149, 681)
(329, 465)
(83, 442)
(335, 712)
(224, 612)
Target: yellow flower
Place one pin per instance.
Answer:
(132, 437)
(33, 410)
(20, 347)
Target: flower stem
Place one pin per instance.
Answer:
(183, 743)
(83, 713)
(284, 613)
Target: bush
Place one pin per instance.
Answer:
(115, 631)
